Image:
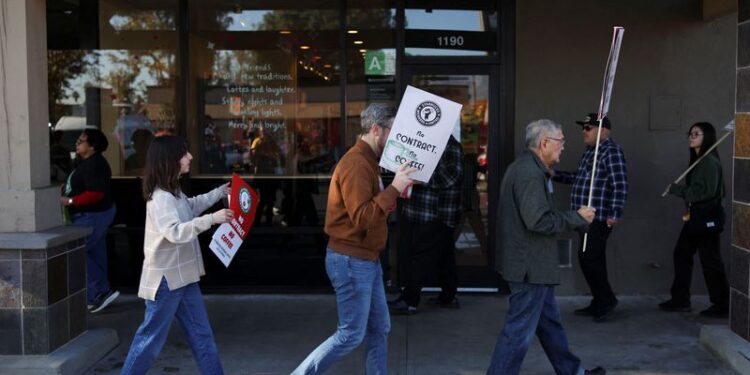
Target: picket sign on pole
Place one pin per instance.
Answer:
(609, 79)
(729, 130)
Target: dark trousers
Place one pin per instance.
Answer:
(96, 250)
(707, 247)
(533, 311)
(594, 263)
(427, 249)
(267, 191)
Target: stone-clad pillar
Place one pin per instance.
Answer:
(27, 200)
(42, 290)
(42, 262)
(740, 253)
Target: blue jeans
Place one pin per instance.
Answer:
(96, 250)
(533, 310)
(363, 316)
(186, 304)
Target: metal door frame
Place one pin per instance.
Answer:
(498, 143)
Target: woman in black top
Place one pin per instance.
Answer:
(88, 198)
(703, 192)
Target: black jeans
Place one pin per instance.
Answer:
(707, 247)
(427, 249)
(594, 263)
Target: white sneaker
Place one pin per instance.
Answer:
(104, 300)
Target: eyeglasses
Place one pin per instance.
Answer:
(561, 140)
(79, 141)
(694, 134)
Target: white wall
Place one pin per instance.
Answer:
(668, 52)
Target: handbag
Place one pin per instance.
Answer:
(705, 220)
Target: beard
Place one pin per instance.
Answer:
(380, 145)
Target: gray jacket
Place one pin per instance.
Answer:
(528, 223)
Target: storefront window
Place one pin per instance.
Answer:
(371, 58)
(266, 88)
(450, 28)
(114, 69)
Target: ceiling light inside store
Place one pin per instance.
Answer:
(327, 65)
(285, 32)
(358, 42)
(352, 31)
(363, 50)
(304, 47)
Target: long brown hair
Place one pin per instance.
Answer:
(163, 165)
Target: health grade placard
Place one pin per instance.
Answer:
(229, 236)
(420, 132)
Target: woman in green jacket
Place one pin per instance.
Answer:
(703, 192)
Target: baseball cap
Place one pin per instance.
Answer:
(591, 119)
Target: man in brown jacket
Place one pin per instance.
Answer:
(358, 206)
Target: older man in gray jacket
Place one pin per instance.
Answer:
(528, 225)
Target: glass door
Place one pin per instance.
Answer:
(473, 87)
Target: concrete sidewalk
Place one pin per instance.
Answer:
(271, 334)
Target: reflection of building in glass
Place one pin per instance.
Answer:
(271, 94)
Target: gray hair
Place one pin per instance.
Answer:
(538, 129)
(377, 113)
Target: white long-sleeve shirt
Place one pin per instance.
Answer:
(170, 244)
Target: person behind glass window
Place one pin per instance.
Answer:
(88, 197)
(357, 210)
(60, 163)
(702, 191)
(266, 158)
(140, 139)
(173, 264)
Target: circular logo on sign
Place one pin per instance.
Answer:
(245, 200)
(428, 113)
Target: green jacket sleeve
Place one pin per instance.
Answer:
(704, 182)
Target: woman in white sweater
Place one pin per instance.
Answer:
(173, 263)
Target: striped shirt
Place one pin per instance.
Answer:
(610, 185)
(170, 245)
(439, 198)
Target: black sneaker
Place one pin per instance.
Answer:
(104, 300)
(586, 311)
(595, 371)
(716, 311)
(400, 307)
(453, 304)
(603, 313)
(675, 306)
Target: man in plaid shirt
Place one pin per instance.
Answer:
(608, 198)
(428, 218)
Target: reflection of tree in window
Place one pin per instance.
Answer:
(327, 19)
(149, 20)
(63, 67)
(154, 68)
